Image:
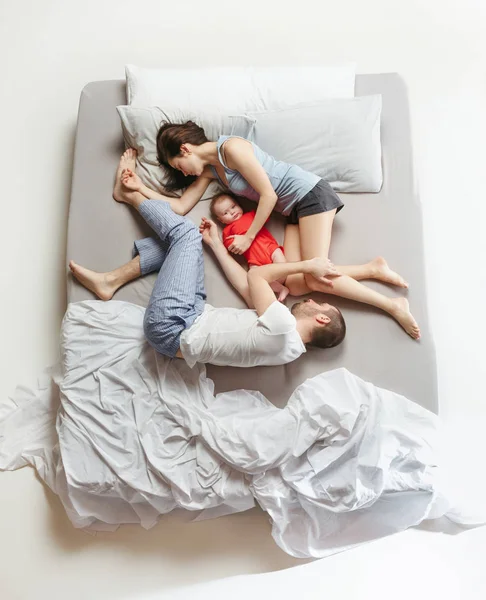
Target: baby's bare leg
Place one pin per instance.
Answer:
(277, 286)
(281, 291)
(279, 257)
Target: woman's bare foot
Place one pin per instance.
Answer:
(127, 161)
(382, 271)
(401, 312)
(100, 284)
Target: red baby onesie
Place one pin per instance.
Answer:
(263, 246)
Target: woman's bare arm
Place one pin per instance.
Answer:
(240, 157)
(189, 198)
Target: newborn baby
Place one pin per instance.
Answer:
(264, 249)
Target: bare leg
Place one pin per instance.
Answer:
(127, 161)
(296, 283)
(278, 287)
(376, 269)
(104, 285)
(315, 236)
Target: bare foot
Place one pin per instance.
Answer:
(281, 291)
(401, 312)
(98, 283)
(127, 161)
(382, 271)
(284, 292)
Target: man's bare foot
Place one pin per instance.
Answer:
(127, 161)
(401, 312)
(382, 271)
(99, 283)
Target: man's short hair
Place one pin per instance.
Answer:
(333, 333)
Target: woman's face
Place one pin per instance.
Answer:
(187, 161)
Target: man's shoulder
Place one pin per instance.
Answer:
(278, 319)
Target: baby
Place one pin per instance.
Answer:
(264, 249)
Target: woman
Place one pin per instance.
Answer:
(308, 202)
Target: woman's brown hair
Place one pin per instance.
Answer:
(170, 138)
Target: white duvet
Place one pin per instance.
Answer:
(123, 435)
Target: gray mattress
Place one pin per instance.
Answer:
(101, 234)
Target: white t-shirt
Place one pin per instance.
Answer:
(240, 338)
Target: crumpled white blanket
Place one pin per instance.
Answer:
(123, 435)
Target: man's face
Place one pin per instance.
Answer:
(309, 308)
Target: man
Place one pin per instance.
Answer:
(178, 322)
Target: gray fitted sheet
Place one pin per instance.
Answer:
(101, 234)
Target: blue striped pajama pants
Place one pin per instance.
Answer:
(178, 296)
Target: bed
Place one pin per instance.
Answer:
(101, 234)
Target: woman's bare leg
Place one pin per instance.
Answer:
(296, 283)
(315, 238)
(375, 269)
(104, 285)
(128, 161)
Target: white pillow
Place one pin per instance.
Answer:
(339, 140)
(140, 127)
(234, 89)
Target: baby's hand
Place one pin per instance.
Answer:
(131, 180)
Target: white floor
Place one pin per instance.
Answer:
(50, 50)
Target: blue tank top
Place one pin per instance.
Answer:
(290, 182)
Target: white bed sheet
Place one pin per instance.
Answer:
(123, 435)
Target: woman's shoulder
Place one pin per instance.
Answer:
(208, 171)
(234, 148)
(234, 142)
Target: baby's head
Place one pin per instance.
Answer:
(225, 208)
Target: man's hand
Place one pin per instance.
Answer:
(321, 269)
(240, 243)
(209, 231)
(131, 181)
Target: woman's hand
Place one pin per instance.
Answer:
(321, 269)
(240, 243)
(209, 231)
(131, 180)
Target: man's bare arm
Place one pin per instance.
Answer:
(259, 279)
(235, 273)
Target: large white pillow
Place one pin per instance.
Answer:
(140, 127)
(234, 89)
(339, 140)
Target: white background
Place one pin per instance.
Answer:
(49, 51)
